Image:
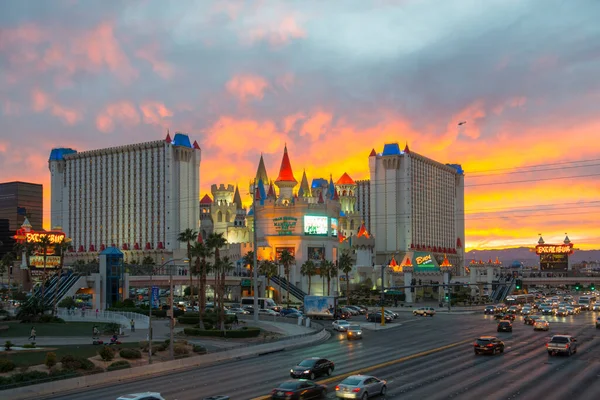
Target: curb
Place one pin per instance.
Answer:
(74, 385)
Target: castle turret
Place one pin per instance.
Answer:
(304, 190)
(346, 188)
(286, 181)
(261, 174)
(237, 199)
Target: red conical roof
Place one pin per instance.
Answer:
(345, 180)
(458, 243)
(168, 138)
(393, 263)
(406, 149)
(445, 263)
(321, 198)
(206, 200)
(373, 154)
(285, 171)
(363, 231)
(196, 145)
(271, 192)
(257, 194)
(336, 195)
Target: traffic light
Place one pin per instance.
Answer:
(592, 287)
(578, 286)
(519, 284)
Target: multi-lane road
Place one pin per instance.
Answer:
(406, 357)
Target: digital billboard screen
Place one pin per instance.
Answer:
(554, 262)
(334, 227)
(315, 225)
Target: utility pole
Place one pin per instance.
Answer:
(382, 298)
(172, 321)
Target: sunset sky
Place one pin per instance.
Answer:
(332, 79)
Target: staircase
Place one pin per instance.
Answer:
(283, 286)
(67, 280)
(505, 290)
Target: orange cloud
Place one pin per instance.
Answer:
(239, 137)
(3, 146)
(155, 113)
(160, 66)
(277, 33)
(317, 125)
(122, 112)
(41, 101)
(247, 86)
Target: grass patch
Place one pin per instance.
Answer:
(29, 358)
(16, 329)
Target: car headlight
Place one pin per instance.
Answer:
(291, 370)
(307, 371)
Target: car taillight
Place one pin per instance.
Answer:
(475, 344)
(546, 344)
(337, 388)
(567, 346)
(490, 345)
(356, 390)
(289, 393)
(273, 391)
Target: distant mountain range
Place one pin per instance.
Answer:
(525, 256)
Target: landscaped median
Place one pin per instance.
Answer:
(146, 371)
(244, 332)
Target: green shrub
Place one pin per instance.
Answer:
(130, 353)
(50, 360)
(111, 328)
(121, 364)
(7, 345)
(6, 365)
(106, 353)
(200, 332)
(64, 374)
(138, 310)
(199, 349)
(31, 377)
(47, 319)
(180, 350)
(70, 362)
(29, 345)
(67, 302)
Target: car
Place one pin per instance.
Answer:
(541, 325)
(312, 367)
(391, 314)
(360, 310)
(296, 315)
(500, 316)
(376, 317)
(505, 326)
(239, 311)
(562, 312)
(491, 310)
(360, 387)
(596, 307)
(488, 344)
(340, 325)
(548, 310)
(286, 311)
(354, 332)
(299, 389)
(562, 344)
(142, 396)
(424, 311)
(268, 311)
(530, 319)
(527, 310)
(514, 309)
(510, 316)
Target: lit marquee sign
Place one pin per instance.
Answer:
(554, 249)
(285, 226)
(334, 227)
(315, 225)
(424, 260)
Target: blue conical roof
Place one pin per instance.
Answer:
(111, 251)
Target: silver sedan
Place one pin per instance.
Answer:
(360, 387)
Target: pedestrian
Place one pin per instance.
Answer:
(32, 334)
(235, 320)
(132, 323)
(97, 311)
(95, 333)
(82, 311)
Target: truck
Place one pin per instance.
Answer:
(562, 344)
(320, 307)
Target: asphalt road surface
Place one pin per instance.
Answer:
(400, 356)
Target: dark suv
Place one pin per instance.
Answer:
(504, 326)
(312, 367)
(488, 344)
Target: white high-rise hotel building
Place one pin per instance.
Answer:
(138, 196)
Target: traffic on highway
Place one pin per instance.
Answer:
(457, 354)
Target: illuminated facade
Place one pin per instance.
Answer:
(555, 257)
(135, 197)
(416, 204)
(224, 214)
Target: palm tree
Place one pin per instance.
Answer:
(43, 245)
(201, 252)
(6, 264)
(60, 249)
(225, 265)
(216, 241)
(269, 269)
(333, 273)
(323, 273)
(345, 265)
(188, 236)
(249, 263)
(308, 269)
(287, 259)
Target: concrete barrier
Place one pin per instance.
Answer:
(146, 371)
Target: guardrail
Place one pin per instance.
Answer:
(124, 318)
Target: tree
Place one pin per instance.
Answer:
(60, 249)
(345, 265)
(224, 265)
(187, 237)
(216, 242)
(308, 269)
(287, 259)
(201, 252)
(248, 260)
(6, 264)
(332, 272)
(269, 269)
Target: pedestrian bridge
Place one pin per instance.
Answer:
(553, 281)
(122, 318)
(163, 280)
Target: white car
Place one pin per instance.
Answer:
(360, 387)
(142, 396)
(240, 311)
(424, 311)
(340, 325)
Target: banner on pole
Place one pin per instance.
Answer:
(154, 298)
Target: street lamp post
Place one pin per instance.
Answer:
(185, 260)
(255, 258)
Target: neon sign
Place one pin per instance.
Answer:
(36, 237)
(554, 249)
(425, 260)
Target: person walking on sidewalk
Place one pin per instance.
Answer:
(95, 333)
(32, 334)
(235, 320)
(132, 323)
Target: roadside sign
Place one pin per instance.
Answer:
(154, 297)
